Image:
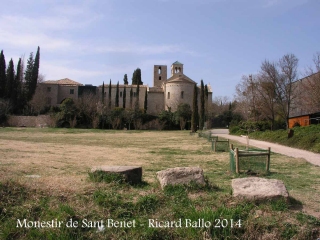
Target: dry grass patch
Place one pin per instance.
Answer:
(63, 157)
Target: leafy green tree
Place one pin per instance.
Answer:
(124, 96)
(68, 111)
(183, 115)
(109, 97)
(117, 115)
(3, 75)
(202, 112)
(117, 96)
(136, 77)
(146, 102)
(166, 118)
(125, 80)
(195, 114)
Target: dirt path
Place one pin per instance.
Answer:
(311, 157)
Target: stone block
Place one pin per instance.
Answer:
(255, 188)
(132, 174)
(180, 175)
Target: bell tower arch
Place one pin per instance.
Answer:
(176, 68)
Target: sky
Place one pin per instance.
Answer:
(219, 41)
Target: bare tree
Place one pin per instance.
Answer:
(279, 78)
(88, 106)
(310, 87)
(285, 89)
(247, 97)
(39, 100)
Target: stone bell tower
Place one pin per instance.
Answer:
(176, 68)
(159, 75)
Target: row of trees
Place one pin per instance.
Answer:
(17, 87)
(274, 92)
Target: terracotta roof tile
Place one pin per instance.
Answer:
(65, 81)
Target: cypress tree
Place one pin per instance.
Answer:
(125, 80)
(206, 97)
(124, 96)
(18, 82)
(117, 96)
(131, 96)
(109, 97)
(201, 117)
(136, 77)
(137, 96)
(146, 102)
(28, 77)
(195, 114)
(10, 83)
(35, 72)
(3, 76)
(102, 96)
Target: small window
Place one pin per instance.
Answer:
(120, 94)
(182, 93)
(159, 77)
(168, 95)
(71, 91)
(159, 70)
(48, 89)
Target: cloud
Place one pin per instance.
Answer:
(140, 49)
(284, 3)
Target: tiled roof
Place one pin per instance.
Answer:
(177, 62)
(65, 81)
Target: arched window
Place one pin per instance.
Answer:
(168, 95)
(182, 93)
(159, 77)
(159, 70)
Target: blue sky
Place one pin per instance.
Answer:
(91, 41)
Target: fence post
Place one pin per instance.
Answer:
(268, 160)
(231, 146)
(237, 159)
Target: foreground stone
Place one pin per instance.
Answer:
(132, 174)
(180, 175)
(255, 188)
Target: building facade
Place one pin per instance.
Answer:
(166, 93)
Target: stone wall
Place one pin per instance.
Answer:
(155, 102)
(179, 93)
(31, 121)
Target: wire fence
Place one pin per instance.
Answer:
(255, 161)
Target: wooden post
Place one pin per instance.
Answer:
(231, 146)
(268, 160)
(237, 159)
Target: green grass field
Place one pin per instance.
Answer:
(44, 176)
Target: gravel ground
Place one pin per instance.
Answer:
(311, 157)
